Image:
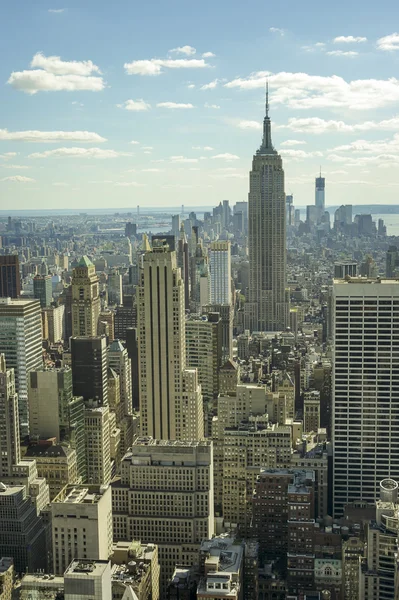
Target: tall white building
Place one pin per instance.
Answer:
(98, 444)
(365, 423)
(170, 395)
(220, 266)
(81, 524)
(267, 308)
(21, 342)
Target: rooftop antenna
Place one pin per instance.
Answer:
(267, 97)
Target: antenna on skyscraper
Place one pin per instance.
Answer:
(267, 97)
(320, 170)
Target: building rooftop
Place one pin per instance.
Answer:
(5, 563)
(18, 302)
(54, 451)
(150, 441)
(116, 346)
(81, 494)
(366, 280)
(85, 262)
(85, 567)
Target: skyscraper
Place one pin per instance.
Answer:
(170, 396)
(320, 187)
(21, 342)
(365, 428)
(85, 299)
(10, 281)
(118, 359)
(10, 453)
(43, 289)
(220, 266)
(89, 368)
(267, 308)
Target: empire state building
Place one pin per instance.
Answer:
(267, 308)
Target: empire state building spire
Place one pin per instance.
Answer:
(267, 146)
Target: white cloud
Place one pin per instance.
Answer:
(150, 170)
(134, 142)
(276, 30)
(314, 47)
(299, 154)
(303, 91)
(79, 153)
(208, 55)
(230, 175)
(149, 148)
(349, 39)
(211, 85)
(51, 136)
(32, 82)
(349, 53)
(292, 143)
(8, 155)
(54, 64)
(317, 126)
(389, 42)
(75, 103)
(205, 148)
(215, 106)
(191, 86)
(7, 166)
(135, 105)
(377, 147)
(129, 184)
(56, 11)
(182, 159)
(154, 65)
(60, 184)
(187, 50)
(173, 105)
(53, 74)
(226, 156)
(18, 179)
(248, 125)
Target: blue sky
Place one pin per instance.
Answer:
(82, 80)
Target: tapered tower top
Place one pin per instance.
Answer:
(267, 146)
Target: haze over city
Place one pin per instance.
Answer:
(158, 104)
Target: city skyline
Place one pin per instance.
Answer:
(158, 115)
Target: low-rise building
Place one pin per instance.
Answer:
(56, 463)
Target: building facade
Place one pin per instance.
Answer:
(10, 280)
(220, 267)
(165, 496)
(81, 524)
(170, 396)
(21, 342)
(85, 299)
(365, 423)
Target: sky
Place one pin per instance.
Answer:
(122, 103)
